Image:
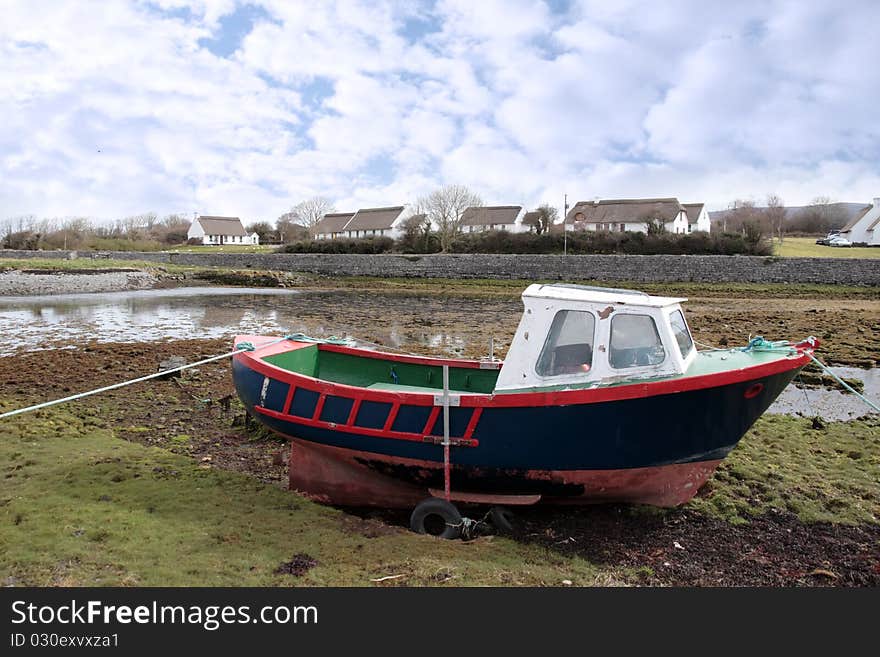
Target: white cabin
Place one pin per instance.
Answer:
(578, 336)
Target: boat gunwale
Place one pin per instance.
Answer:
(530, 398)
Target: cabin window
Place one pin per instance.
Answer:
(635, 342)
(682, 335)
(569, 345)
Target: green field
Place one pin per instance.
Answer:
(806, 247)
(226, 248)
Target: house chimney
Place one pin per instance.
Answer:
(877, 201)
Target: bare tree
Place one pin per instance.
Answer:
(264, 230)
(289, 230)
(743, 212)
(417, 233)
(775, 214)
(544, 217)
(444, 208)
(820, 216)
(309, 212)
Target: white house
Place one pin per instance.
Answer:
(220, 230)
(332, 225)
(864, 227)
(619, 215)
(378, 222)
(366, 222)
(698, 217)
(493, 217)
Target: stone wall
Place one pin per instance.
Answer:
(708, 269)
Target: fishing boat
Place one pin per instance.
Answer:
(603, 396)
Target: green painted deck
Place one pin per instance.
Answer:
(365, 372)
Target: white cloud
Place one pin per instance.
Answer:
(125, 110)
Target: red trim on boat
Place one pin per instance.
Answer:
(472, 423)
(364, 431)
(392, 415)
(753, 390)
(355, 407)
(432, 418)
(319, 407)
(417, 360)
(289, 399)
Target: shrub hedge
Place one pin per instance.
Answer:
(579, 243)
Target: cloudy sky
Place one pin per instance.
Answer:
(114, 108)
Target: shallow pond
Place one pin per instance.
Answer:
(427, 323)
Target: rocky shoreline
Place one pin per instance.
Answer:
(31, 282)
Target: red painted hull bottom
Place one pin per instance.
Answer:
(334, 475)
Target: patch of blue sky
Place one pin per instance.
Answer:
(548, 46)
(559, 6)
(29, 45)
(315, 92)
(755, 30)
(184, 13)
(420, 26)
(379, 169)
(233, 28)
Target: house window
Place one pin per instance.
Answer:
(681, 333)
(635, 342)
(569, 345)
(622, 228)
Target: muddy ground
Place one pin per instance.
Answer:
(198, 415)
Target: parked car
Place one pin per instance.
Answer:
(839, 241)
(824, 241)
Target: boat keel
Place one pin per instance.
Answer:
(335, 475)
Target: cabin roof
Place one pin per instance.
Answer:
(589, 294)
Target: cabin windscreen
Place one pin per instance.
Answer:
(635, 342)
(681, 332)
(569, 345)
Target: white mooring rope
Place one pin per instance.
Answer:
(244, 346)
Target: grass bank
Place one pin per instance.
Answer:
(806, 247)
(80, 507)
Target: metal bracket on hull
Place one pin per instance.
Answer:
(488, 498)
(453, 442)
(440, 400)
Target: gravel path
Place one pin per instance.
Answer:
(35, 282)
